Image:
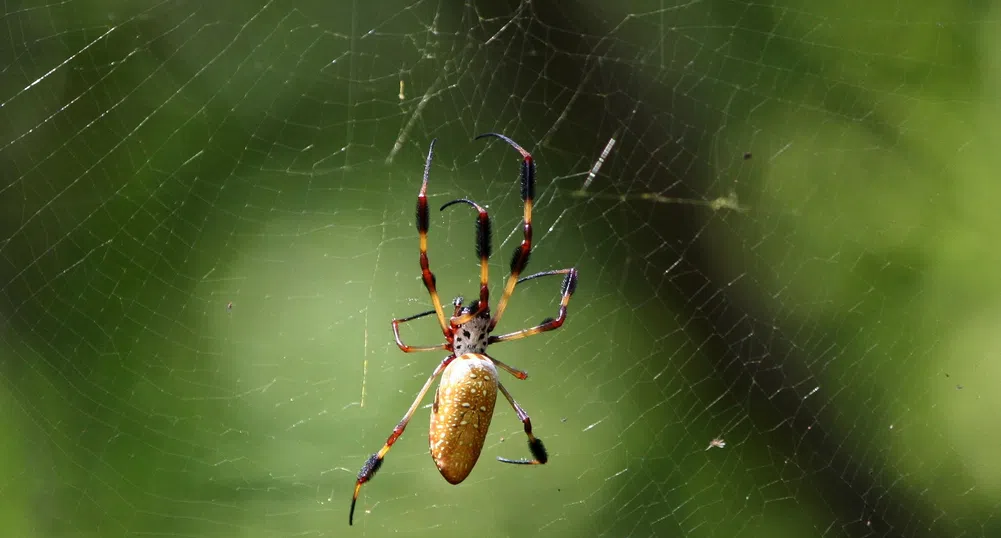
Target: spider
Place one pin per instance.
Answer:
(464, 402)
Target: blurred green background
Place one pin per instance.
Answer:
(207, 226)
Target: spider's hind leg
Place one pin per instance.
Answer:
(374, 461)
(539, 454)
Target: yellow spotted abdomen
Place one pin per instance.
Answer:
(461, 413)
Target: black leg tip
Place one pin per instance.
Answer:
(538, 450)
(369, 469)
(569, 283)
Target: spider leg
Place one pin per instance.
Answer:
(520, 258)
(520, 374)
(534, 444)
(483, 248)
(566, 291)
(411, 349)
(423, 222)
(375, 460)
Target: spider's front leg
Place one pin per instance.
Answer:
(567, 289)
(483, 249)
(519, 260)
(410, 349)
(423, 223)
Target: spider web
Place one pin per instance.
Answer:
(780, 213)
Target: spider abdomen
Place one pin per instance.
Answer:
(461, 413)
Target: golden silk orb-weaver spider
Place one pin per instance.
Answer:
(464, 402)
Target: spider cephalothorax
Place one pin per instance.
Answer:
(464, 402)
(470, 336)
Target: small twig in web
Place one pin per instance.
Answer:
(729, 201)
(566, 109)
(599, 162)
(504, 28)
(716, 443)
(371, 294)
(364, 364)
(400, 140)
